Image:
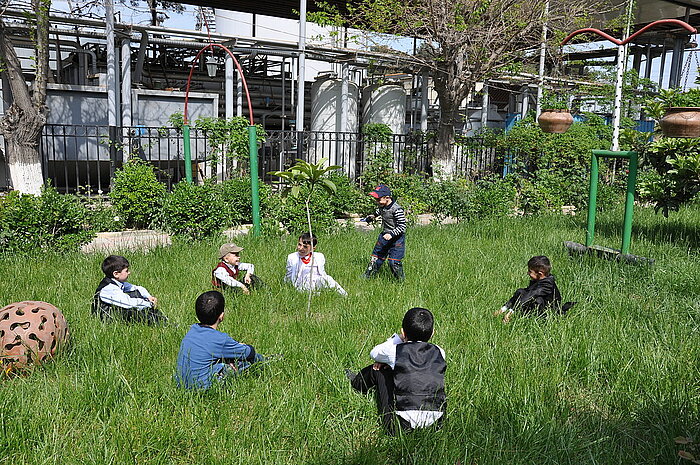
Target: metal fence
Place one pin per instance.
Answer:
(84, 158)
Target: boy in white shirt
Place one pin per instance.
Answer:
(408, 374)
(306, 267)
(115, 297)
(227, 274)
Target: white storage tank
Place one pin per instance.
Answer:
(329, 139)
(327, 106)
(386, 104)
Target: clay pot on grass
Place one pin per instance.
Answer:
(555, 121)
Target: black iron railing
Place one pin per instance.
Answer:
(84, 158)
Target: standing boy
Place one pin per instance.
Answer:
(408, 374)
(207, 354)
(392, 240)
(115, 297)
(306, 268)
(230, 273)
(541, 295)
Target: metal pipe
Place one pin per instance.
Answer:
(302, 66)
(424, 101)
(592, 198)
(228, 85)
(126, 83)
(111, 65)
(629, 203)
(543, 52)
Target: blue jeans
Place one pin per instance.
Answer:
(392, 249)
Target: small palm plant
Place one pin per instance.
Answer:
(311, 176)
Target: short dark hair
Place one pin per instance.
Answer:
(114, 264)
(209, 306)
(418, 324)
(308, 237)
(540, 263)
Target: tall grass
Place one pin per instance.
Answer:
(613, 382)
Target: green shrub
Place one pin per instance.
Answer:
(193, 211)
(492, 196)
(235, 196)
(102, 215)
(136, 193)
(291, 212)
(52, 221)
(449, 198)
(348, 197)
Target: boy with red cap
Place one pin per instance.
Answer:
(392, 240)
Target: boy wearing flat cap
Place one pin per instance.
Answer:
(391, 244)
(230, 273)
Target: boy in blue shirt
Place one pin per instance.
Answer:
(207, 354)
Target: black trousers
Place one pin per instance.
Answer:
(383, 383)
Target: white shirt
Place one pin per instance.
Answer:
(302, 275)
(386, 353)
(222, 275)
(115, 294)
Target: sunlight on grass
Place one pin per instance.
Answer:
(613, 382)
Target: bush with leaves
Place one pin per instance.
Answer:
(348, 198)
(290, 211)
(136, 193)
(193, 211)
(52, 221)
(235, 196)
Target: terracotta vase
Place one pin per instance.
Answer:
(555, 121)
(681, 122)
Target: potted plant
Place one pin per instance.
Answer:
(681, 112)
(555, 116)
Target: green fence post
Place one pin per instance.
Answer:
(188, 155)
(592, 199)
(629, 203)
(253, 149)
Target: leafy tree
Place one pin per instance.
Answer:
(23, 122)
(158, 17)
(469, 41)
(305, 177)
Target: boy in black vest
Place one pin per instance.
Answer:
(230, 273)
(115, 297)
(540, 296)
(408, 374)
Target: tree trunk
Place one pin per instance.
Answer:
(25, 168)
(23, 122)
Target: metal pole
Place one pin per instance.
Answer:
(485, 107)
(629, 203)
(126, 83)
(424, 101)
(239, 95)
(617, 108)
(302, 66)
(253, 149)
(592, 198)
(543, 51)
(188, 155)
(229, 87)
(111, 88)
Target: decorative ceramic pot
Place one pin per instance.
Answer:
(31, 332)
(681, 122)
(555, 121)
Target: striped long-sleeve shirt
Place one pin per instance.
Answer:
(393, 219)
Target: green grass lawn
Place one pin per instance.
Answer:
(613, 382)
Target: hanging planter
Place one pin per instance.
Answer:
(555, 120)
(681, 122)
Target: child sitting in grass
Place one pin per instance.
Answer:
(115, 297)
(540, 296)
(206, 354)
(306, 267)
(408, 374)
(230, 273)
